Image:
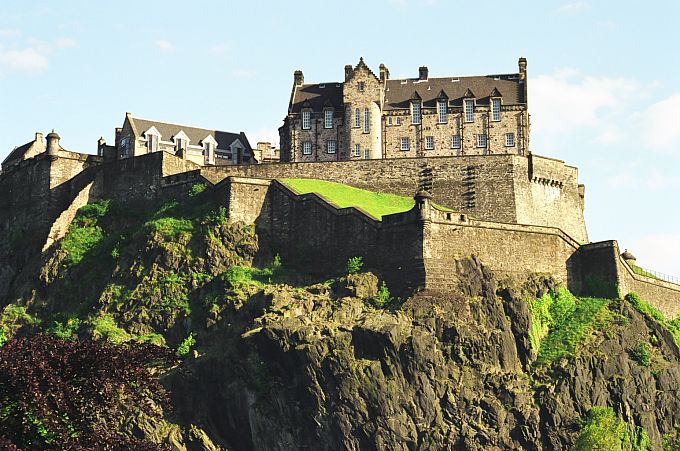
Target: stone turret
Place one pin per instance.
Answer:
(629, 258)
(423, 203)
(53, 146)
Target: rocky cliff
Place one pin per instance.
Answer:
(274, 360)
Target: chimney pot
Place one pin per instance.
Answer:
(298, 77)
(422, 73)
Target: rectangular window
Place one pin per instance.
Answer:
(181, 144)
(328, 119)
(362, 86)
(398, 120)
(357, 150)
(357, 118)
(429, 142)
(455, 141)
(307, 148)
(331, 145)
(306, 120)
(404, 144)
(481, 141)
(152, 143)
(366, 154)
(469, 110)
(442, 112)
(389, 121)
(366, 120)
(509, 139)
(496, 110)
(124, 147)
(415, 113)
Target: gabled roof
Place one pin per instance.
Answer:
(18, 152)
(398, 92)
(195, 134)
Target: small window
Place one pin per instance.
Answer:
(442, 112)
(429, 142)
(366, 154)
(496, 110)
(125, 147)
(209, 153)
(357, 150)
(366, 120)
(361, 86)
(509, 140)
(331, 146)
(306, 120)
(328, 119)
(181, 144)
(415, 112)
(152, 143)
(455, 141)
(389, 121)
(357, 118)
(469, 110)
(398, 120)
(307, 148)
(481, 140)
(404, 144)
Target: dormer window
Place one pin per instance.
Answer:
(415, 112)
(442, 110)
(328, 119)
(209, 146)
(469, 110)
(151, 143)
(181, 144)
(496, 110)
(306, 120)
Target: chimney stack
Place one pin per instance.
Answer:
(298, 78)
(384, 73)
(348, 71)
(522, 68)
(422, 73)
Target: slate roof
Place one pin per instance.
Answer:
(18, 152)
(195, 134)
(399, 92)
(315, 95)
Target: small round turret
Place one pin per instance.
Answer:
(53, 142)
(628, 257)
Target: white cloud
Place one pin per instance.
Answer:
(164, 46)
(660, 126)
(567, 101)
(658, 252)
(65, 43)
(574, 7)
(9, 33)
(29, 60)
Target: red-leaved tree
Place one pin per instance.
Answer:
(57, 394)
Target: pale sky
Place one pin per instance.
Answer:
(604, 94)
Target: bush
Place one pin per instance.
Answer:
(640, 353)
(186, 345)
(105, 327)
(196, 189)
(603, 430)
(354, 265)
(65, 331)
(383, 298)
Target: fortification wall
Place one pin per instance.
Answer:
(603, 272)
(499, 188)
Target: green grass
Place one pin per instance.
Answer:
(637, 270)
(604, 430)
(84, 233)
(672, 325)
(342, 196)
(105, 327)
(560, 322)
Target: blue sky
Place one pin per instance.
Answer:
(603, 88)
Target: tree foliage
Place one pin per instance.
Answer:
(58, 394)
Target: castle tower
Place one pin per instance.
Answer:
(53, 146)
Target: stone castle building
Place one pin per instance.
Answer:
(375, 117)
(201, 146)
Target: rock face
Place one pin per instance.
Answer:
(452, 370)
(306, 365)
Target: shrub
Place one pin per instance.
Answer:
(383, 298)
(603, 430)
(186, 345)
(65, 331)
(354, 265)
(673, 325)
(105, 327)
(196, 189)
(640, 353)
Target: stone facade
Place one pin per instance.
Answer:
(377, 117)
(201, 146)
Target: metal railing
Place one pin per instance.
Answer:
(657, 275)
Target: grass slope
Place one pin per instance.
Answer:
(342, 196)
